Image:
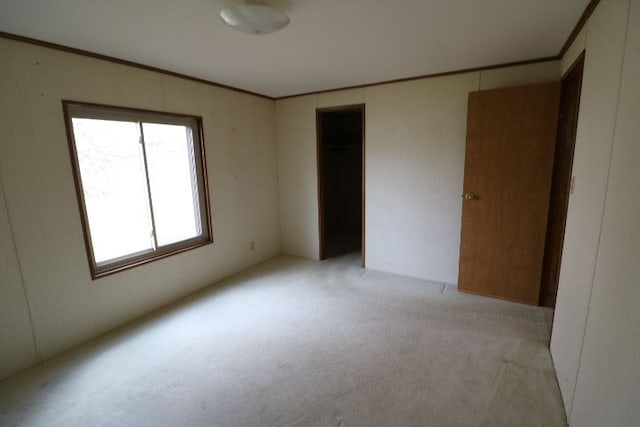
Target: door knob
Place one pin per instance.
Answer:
(470, 196)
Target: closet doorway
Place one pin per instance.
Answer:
(340, 145)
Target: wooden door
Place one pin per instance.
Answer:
(511, 136)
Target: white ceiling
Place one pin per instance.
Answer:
(329, 43)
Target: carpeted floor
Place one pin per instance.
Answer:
(293, 342)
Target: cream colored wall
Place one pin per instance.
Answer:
(520, 75)
(414, 171)
(295, 127)
(17, 350)
(67, 306)
(608, 373)
(608, 387)
(415, 140)
(604, 40)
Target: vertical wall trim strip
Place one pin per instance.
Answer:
(22, 281)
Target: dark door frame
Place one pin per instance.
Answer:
(561, 181)
(319, 164)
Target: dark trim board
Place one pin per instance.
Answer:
(321, 239)
(571, 85)
(102, 57)
(572, 36)
(579, 61)
(578, 27)
(429, 76)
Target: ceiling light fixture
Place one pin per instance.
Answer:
(252, 18)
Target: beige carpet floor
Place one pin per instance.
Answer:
(293, 342)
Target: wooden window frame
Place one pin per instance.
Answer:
(73, 109)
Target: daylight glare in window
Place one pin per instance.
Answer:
(140, 176)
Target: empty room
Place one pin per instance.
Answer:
(319, 213)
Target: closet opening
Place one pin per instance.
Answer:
(340, 145)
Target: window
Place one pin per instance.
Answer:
(141, 184)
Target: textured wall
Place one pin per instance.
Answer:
(17, 350)
(67, 307)
(297, 182)
(415, 140)
(604, 40)
(415, 168)
(608, 384)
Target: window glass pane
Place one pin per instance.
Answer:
(172, 180)
(113, 183)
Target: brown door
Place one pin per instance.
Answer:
(511, 136)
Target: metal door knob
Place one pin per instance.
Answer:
(470, 196)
